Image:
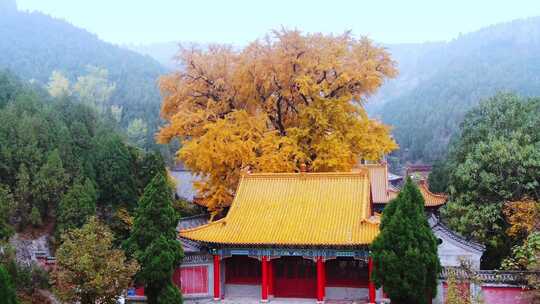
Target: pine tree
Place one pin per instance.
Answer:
(405, 252)
(153, 242)
(76, 206)
(7, 290)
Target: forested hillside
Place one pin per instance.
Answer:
(69, 180)
(439, 82)
(60, 160)
(33, 45)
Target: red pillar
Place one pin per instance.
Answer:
(270, 278)
(217, 280)
(324, 279)
(264, 285)
(371, 284)
(320, 280)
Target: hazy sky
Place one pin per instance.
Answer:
(236, 21)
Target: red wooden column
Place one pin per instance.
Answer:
(217, 280)
(324, 279)
(371, 284)
(270, 278)
(264, 285)
(320, 280)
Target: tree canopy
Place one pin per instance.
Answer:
(283, 101)
(89, 270)
(60, 160)
(494, 160)
(405, 251)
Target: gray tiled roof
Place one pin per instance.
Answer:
(191, 222)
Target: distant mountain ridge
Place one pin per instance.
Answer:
(163, 52)
(33, 45)
(440, 82)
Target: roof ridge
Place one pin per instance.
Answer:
(205, 225)
(360, 174)
(194, 216)
(426, 188)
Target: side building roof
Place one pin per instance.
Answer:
(295, 209)
(383, 192)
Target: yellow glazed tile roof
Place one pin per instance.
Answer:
(383, 192)
(303, 209)
(431, 199)
(378, 175)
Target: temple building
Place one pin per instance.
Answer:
(301, 235)
(287, 235)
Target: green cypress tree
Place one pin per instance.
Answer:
(23, 196)
(153, 241)
(7, 290)
(49, 183)
(6, 210)
(115, 173)
(405, 252)
(77, 205)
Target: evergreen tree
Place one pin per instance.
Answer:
(113, 165)
(405, 251)
(23, 195)
(6, 209)
(7, 290)
(76, 206)
(153, 241)
(49, 183)
(35, 217)
(148, 167)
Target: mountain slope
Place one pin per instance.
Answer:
(453, 77)
(33, 45)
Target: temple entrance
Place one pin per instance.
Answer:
(295, 277)
(242, 270)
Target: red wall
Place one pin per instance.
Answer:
(504, 295)
(192, 279)
(497, 294)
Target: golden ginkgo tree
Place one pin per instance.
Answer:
(281, 102)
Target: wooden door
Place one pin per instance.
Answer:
(295, 277)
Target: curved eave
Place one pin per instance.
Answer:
(372, 224)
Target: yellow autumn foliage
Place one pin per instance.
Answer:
(523, 216)
(283, 101)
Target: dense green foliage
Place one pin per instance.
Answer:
(494, 159)
(50, 147)
(6, 209)
(77, 205)
(524, 255)
(440, 82)
(35, 45)
(405, 252)
(153, 241)
(7, 290)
